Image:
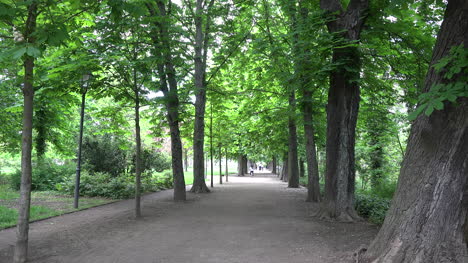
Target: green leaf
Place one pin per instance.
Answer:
(438, 105)
(33, 51)
(18, 52)
(429, 110)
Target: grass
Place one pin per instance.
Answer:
(43, 205)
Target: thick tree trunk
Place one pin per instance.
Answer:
(138, 150)
(22, 228)
(342, 111)
(199, 185)
(245, 169)
(285, 172)
(293, 169)
(313, 186)
(427, 220)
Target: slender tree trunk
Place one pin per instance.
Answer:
(293, 169)
(342, 111)
(313, 185)
(199, 185)
(138, 150)
(245, 169)
(427, 221)
(273, 164)
(301, 167)
(186, 159)
(227, 169)
(220, 165)
(22, 229)
(211, 145)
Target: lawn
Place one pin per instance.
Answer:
(43, 205)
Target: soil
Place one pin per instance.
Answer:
(248, 219)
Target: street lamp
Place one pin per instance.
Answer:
(85, 80)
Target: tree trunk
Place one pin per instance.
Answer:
(22, 229)
(342, 111)
(167, 76)
(285, 173)
(301, 167)
(186, 159)
(138, 150)
(239, 165)
(227, 169)
(273, 169)
(199, 185)
(313, 185)
(427, 220)
(220, 165)
(245, 169)
(211, 147)
(293, 169)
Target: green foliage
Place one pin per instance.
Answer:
(372, 207)
(121, 187)
(103, 154)
(454, 70)
(46, 174)
(153, 160)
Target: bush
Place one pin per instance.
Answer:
(44, 175)
(121, 187)
(103, 154)
(372, 207)
(152, 160)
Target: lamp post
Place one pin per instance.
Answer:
(85, 79)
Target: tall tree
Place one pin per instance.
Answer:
(202, 34)
(342, 108)
(168, 85)
(428, 218)
(22, 230)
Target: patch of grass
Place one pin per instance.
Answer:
(6, 193)
(8, 217)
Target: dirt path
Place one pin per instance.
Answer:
(250, 219)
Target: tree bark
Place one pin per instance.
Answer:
(22, 229)
(342, 111)
(199, 185)
(284, 174)
(273, 169)
(80, 145)
(427, 221)
(186, 159)
(167, 76)
(293, 169)
(220, 165)
(239, 165)
(227, 169)
(313, 185)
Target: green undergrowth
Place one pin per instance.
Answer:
(370, 204)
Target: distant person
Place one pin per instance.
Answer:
(251, 170)
(260, 167)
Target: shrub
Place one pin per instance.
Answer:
(103, 154)
(121, 187)
(44, 175)
(372, 207)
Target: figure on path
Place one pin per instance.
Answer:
(251, 170)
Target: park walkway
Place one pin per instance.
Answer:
(247, 220)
